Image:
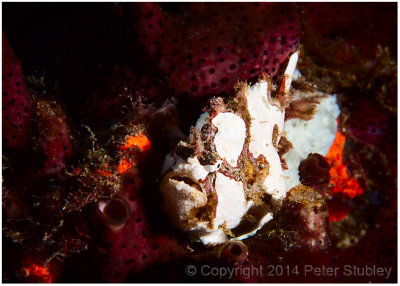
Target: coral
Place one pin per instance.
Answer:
(336, 54)
(115, 212)
(211, 46)
(234, 252)
(373, 129)
(377, 249)
(17, 101)
(357, 23)
(347, 226)
(313, 217)
(303, 220)
(342, 181)
(36, 274)
(314, 170)
(133, 246)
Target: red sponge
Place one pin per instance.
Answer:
(134, 247)
(210, 46)
(17, 102)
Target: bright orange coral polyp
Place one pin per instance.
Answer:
(39, 271)
(340, 179)
(124, 165)
(140, 141)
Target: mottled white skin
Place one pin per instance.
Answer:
(231, 208)
(232, 204)
(201, 121)
(291, 174)
(310, 136)
(193, 169)
(264, 116)
(182, 199)
(230, 137)
(214, 237)
(229, 140)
